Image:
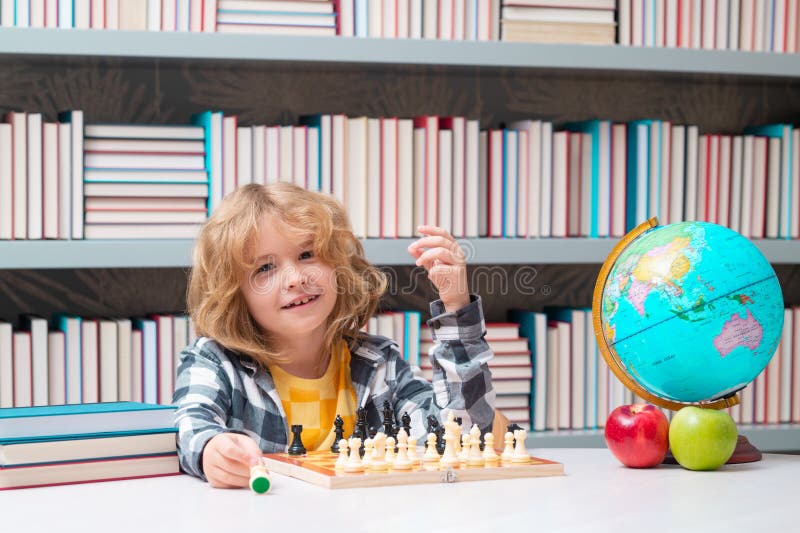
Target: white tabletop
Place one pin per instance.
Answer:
(596, 494)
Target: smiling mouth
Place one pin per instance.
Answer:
(300, 303)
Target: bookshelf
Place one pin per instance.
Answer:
(22, 42)
(168, 76)
(176, 253)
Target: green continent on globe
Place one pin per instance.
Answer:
(692, 310)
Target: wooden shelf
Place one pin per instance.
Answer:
(47, 43)
(177, 253)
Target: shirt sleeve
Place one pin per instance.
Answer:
(462, 382)
(202, 395)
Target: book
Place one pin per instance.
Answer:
(14, 452)
(29, 476)
(77, 419)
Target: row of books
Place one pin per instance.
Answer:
(75, 359)
(749, 25)
(57, 445)
(573, 388)
(592, 178)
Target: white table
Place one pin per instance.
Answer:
(596, 494)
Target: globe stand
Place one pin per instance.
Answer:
(744, 452)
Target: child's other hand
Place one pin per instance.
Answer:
(227, 459)
(439, 253)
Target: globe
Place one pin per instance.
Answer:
(687, 313)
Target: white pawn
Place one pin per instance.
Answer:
(412, 450)
(342, 459)
(508, 451)
(402, 461)
(475, 456)
(466, 441)
(390, 442)
(431, 455)
(489, 455)
(520, 455)
(369, 452)
(354, 463)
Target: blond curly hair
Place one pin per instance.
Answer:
(223, 258)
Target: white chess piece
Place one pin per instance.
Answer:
(342, 459)
(520, 454)
(489, 455)
(354, 463)
(466, 442)
(474, 455)
(402, 461)
(378, 462)
(431, 455)
(412, 450)
(390, 455)
(369, 452)
(450, 458)
(508, 451)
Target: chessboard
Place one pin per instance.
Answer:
(318, 468)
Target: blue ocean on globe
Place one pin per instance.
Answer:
(692, 310)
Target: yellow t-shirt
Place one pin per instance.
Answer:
(314, 403)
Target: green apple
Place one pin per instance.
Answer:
(702, 439)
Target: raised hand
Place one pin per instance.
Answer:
(227, 459)
(444, 260)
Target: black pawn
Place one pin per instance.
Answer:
(406, 421)
(296, 447)
(372, 432)
(338, 430)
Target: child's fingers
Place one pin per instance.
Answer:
(240, 448)
(222, 479)
(434, 230)
(444, 256)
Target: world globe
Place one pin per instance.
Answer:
(687, 313)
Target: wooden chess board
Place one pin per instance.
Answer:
(318, 468)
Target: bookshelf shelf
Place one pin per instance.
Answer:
(46, 43)
(177, 253)
(767, 438)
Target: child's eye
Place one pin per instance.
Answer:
(265, 268)
(307, 254)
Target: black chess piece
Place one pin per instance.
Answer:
(406, 421)
(388, 420)
(440, 444)
(372, 432)
(511, 428)
(338, 431)
(432, 424)
(296, 447)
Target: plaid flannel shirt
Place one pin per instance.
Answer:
(218, 391)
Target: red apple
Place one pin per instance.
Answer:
(637, 435)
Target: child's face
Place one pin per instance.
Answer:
(290, 293)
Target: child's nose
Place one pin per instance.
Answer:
(294, 277)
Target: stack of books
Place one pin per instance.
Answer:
(58, 445)
(144, 180)
(276, 17)
(558, 21)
